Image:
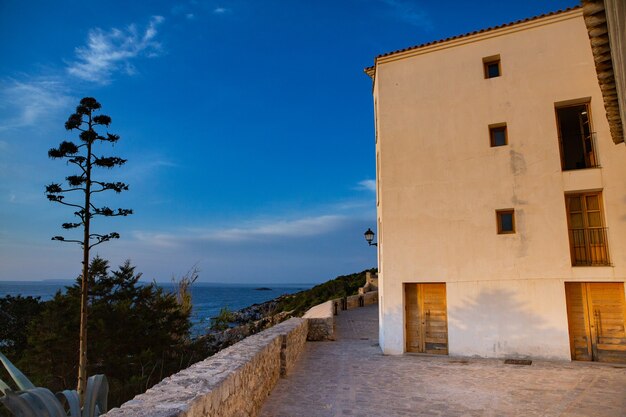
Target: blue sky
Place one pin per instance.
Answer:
(247, 125)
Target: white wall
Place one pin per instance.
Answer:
(440, 183)
(512, 318)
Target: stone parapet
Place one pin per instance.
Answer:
(292, 345)
(321, 321)
(361, 300)
(321, 317)
(237, 380)
(233, 382)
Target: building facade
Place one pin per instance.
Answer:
(501, 197)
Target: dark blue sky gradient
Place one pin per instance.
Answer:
(248, 128)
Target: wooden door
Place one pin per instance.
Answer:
(426, 318)
(596, 319)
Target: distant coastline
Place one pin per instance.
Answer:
(208, 298)
(269, 285)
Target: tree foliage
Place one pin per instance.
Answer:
(82, 155)
(342, 286)
(183, 288)
(139, 334)
(16, 313)
(223, 320)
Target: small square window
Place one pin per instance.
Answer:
(497, 135)
(491, 65)
(506, 221)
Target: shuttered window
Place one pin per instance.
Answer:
(587, 234)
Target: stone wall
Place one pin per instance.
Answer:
(292, 345)
(321, 320)
(322, 316)
(237, 380)
(233, 382)
(360, 300)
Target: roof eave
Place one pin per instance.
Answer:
(605, 46)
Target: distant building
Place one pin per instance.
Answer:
(501, 197)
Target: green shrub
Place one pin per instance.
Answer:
(342, 286)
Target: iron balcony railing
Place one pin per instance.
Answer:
(590, 246)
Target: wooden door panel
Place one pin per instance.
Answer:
(426, 318)
(577, 318)
(606, 311)
(436, 323)
(612, 345)
(596, 318)
(412, 318)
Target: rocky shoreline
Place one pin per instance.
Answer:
(230, 327)
(243, 323)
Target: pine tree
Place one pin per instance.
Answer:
(82, 156)
(139, 334)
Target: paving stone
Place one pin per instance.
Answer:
(350, 377)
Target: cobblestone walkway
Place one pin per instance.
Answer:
(351, 377)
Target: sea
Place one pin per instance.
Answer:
(207, 298)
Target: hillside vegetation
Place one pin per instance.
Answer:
(342, 286)
(139, 333)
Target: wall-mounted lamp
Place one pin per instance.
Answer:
(369, 236)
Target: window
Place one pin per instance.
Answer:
(587, 234)
(576, 137)
(506, 221)
(497, 134)
(491, 65)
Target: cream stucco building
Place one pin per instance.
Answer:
(501, 197)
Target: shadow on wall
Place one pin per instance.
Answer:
(496, 324)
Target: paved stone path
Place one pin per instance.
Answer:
(351, 377)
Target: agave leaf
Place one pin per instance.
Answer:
(18, 377)
(96, 396)
(36, 402)
(50, 401)
(73, 401)
(18, 406)
(3, 386)
(38, 407)
(43, 401)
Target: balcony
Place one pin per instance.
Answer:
(589, 246)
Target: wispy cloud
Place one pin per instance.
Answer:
(109, 52)
(305, 227)
(28, 100)
(25, 103)
(183, 10)
(369, 185)
(255, 230)
(410, 12)
(221, 10)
